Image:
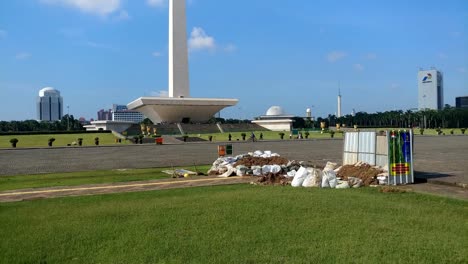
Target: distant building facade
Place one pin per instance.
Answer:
(121, 113)
(128, 115)
(430, 90)
(461, 102)
(49, 105)
(103, 115)
(117, 107)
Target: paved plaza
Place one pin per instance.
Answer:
(436, 158)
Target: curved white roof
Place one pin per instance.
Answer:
(48, 90)
(275, 111)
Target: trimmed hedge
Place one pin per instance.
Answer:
(13, 133)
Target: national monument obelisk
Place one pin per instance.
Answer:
(179, 106)
(178, 52)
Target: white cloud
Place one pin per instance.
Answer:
(199, 40)
(157, 3)
(96, 7)
(336, 56)
(3, 34)
(23, 56)
(162, 93)
(123, 15)
(358, 67)
(371, 56)
(230, 48)
(156, 54)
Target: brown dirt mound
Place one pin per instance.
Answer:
(365, 172)
(274, 179)
(259, 161)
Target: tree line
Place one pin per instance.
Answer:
(67, 123)
(449, 117)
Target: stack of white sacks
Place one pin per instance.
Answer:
(311, 177)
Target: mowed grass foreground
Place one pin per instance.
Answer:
(88, 177)
(236, 224)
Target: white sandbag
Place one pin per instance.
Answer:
(354, 182)
(241, 170)
(291, 174)
(325, 183)
(312, 179)
(275, 169)
(230, 172)
(329, 179)
(275, 155)
(257, 170)
(266, 169)
(330, 166)
(342, 185)
(258, 153)
(299, 178)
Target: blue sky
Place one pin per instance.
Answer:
(295, 54)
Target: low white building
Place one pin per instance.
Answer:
(116, 126)
(275, 119)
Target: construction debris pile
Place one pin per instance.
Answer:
(272, 169)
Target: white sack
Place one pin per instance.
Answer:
(299, 178)
(329, 179)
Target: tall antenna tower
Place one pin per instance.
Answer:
(339, 101)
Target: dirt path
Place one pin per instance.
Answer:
(63, 191)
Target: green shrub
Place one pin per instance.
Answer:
(421, 131)
(13, 142)
(463, 130)
(243, 135)
(281, 134)
(452, 132)
(50, 141)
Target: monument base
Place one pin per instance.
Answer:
(180, 110)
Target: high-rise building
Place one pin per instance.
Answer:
(103, 115)
(461, 102)
(117, 107)
(430, 89)
(49, 105)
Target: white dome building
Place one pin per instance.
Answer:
(275, 111)
(49, 105)
(275, 119)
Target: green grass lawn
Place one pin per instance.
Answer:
(109, 139)
(236, 224)
(91, 177)
(61, 140)
(267, 135)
